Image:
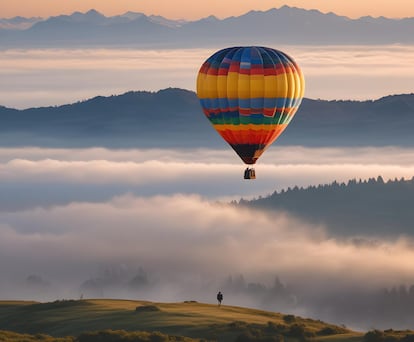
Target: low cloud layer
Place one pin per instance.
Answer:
(186, 253)
(99, 174)
(153, 224)
(58, 76)
(192, 237)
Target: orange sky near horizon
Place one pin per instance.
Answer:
(190, 9)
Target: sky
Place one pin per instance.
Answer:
(186, 9)
(43, 77)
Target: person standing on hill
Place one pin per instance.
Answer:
(219, 298)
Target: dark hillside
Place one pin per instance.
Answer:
(372, 207)
(386, 121)
(173, 118)
(168, 118)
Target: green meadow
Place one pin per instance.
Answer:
(101, 320)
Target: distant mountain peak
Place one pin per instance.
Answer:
(160, 20)
(132, 15)
(19, 22)
(284, 25)
(93, 12)
(290, 8)
(297, 9)
(211, 18)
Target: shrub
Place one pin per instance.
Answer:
(408, 338)
(238, 325)
(289, 319)
(125, 336)
(273, 328)
(245, 337)
(374, 336)
(299, 332)
(331, 331)
(391, 338)
(249, 337)
(147, 308)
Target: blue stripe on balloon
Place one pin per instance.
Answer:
(252, 102)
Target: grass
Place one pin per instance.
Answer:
(191, 319)
(10, 336)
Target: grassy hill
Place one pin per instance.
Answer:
(190, 319)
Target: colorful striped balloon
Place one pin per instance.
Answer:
(250, 94)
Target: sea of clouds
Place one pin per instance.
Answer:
(43, 77)
(97, 174)
(89, 221)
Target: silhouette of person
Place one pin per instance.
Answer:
(219, 298)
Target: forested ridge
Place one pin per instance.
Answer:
(173, 118)
(357, 207)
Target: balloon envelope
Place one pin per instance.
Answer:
(250, 94)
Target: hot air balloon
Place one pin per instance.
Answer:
(250, 94)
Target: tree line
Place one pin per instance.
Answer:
(357, 207)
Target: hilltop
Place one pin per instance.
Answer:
(172, 118)
(109, 320)
(190, 319)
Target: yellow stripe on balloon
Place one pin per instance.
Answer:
(232, 80)
(236, 85)
(302, 83)
(276, 86)
(222, 86)
(257, 86)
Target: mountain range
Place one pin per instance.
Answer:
(173, 118)
(285, 25)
